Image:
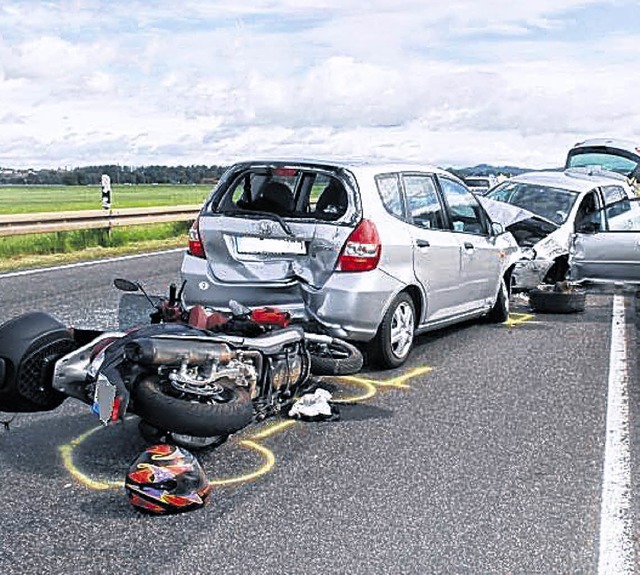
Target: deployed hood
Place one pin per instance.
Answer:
(504, 213)
(525, 226)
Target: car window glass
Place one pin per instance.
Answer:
(613, 194)
(389, 190)
(464, 210)
(423, 202)
(588, 212)
(607, 160)
(289, 192)
(617, 207)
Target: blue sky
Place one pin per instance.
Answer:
(210, 82)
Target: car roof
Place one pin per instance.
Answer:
(625, 145)
(574, 179)
(361, 168)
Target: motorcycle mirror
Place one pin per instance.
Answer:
(126, 285)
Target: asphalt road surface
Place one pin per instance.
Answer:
(484, 454)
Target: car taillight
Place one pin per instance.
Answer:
(361, 251)
(196, 248)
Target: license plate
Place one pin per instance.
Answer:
(270, 246)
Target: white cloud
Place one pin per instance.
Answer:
(208, 82)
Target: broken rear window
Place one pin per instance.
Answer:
(286, 192)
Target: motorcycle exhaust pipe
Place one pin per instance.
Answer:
(153, 351)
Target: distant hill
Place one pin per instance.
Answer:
(488, 170)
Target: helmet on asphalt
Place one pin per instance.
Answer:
(166, 479)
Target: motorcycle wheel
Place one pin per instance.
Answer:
(336, 358)
(31, 344)
(153, 435)
(156, 405)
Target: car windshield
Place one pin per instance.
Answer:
(553, 204)
(606, 160)
(479, 182)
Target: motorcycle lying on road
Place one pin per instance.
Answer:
(192, 376)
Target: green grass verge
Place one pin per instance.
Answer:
(48, 260)
(42, 250)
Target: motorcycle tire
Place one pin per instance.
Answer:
(29, 347)
(337, 358)
(189, 417)
(153, 436)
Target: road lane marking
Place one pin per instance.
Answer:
(88, 263)
(616, 553)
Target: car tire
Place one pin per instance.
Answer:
(393, 342)
(31, 344)
(499, 313)
(549, 301)
(189, 417)
(336, 358)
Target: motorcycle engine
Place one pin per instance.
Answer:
(204, 379)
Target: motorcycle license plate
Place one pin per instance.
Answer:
(248, 245)
(104, 399)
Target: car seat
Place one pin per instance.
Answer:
(332, 202)
(275, 197)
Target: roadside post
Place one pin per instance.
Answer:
(106, 192)
(106, 204)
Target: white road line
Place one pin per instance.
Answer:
(616, 556)
(90, 263)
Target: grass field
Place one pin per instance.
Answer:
(36, 250)
(27, 199)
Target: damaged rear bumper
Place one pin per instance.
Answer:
(348, 305)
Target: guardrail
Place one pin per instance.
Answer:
(41, 223)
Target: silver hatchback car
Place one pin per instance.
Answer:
(369, 253)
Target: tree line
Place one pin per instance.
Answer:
(91, 175)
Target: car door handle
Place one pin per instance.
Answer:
(423, 243)
(468, 246)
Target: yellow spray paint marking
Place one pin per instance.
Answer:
(516, 319)
(273, 429)
(66, 451)
(270, 461)
(370, 385)
(67, 458)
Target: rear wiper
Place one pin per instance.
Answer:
(270, 215)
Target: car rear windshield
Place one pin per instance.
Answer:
(284, 191)
(607, 160)
(553, 204)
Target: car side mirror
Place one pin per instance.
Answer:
(497, 229)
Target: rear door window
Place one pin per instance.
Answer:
(616, 203)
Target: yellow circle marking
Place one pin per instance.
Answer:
(267, 466)
(67, 457)
(66, 451)
(370, 386)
